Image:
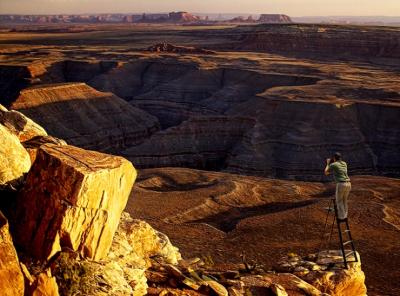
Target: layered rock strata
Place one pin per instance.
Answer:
(320, 40)
(189, 144)
(86, 117)
(12, 280)
(78, 195)
(295, 128)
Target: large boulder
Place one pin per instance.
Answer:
(20, 125)
(14, 160)
(136, 241)
(73, 198)
(11, 278)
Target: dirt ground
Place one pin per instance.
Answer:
(224, 215)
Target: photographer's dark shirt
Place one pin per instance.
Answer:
(339, 171)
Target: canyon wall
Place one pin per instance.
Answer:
(279, 120)
(319, 39)
(86, 117)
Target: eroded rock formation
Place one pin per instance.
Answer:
(86, 117)
(294, 114)
(274, 19)
(188, 145)
(11, 278)
(321, 40)
(78, 195)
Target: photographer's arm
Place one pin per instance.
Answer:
(327, 172)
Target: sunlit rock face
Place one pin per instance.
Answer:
(14, 160)
(86, 117)
(44, 285)
(72, 198)
(11, 278)
(318, 271)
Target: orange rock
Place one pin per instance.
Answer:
(14, 160)
(11, 278)
(73, 198)
(45, 285)
(33, 145)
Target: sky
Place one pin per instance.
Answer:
(290, 7)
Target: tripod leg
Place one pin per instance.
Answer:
(323, 233)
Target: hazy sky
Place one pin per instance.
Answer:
(290, 7)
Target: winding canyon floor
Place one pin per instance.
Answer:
(222, 215)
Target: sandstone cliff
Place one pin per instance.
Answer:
(321, 40)
(86, 117)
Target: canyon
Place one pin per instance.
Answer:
(265, 114)
(229, 129)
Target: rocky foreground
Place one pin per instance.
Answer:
(64, 232)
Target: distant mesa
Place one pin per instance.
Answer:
(179, 17)
(172, 17)
(275, 19)
(182, 16)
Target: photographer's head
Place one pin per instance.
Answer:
(337, 156)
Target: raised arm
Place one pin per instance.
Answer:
(327, 172)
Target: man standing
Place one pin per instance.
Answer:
(338, 168)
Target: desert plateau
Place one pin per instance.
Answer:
(174, 154)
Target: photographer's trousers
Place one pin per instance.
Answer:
(342, 194)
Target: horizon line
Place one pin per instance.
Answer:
(226, 13)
